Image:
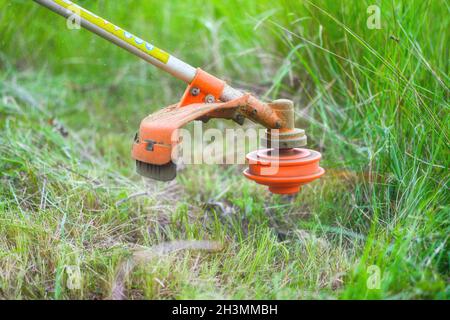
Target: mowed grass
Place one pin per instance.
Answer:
(374, 102)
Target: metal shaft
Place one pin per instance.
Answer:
(130, 42)
(122, 38)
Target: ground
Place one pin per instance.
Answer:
(77, 222)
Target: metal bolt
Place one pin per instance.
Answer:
(150, 144)
(239, 119)
(210, 98)
(195, 91)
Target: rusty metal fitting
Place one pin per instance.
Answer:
(286, 135)
(284, 109)
(279, 139)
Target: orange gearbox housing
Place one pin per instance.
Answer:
(158, 134)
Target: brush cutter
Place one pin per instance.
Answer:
(284, 166)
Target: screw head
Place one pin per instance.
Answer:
(239, 119)
(195, 91)
(210, 98)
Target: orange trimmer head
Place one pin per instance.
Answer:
(284, 171)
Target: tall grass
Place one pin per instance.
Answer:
(374, 102)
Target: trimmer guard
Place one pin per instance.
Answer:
(158, 132)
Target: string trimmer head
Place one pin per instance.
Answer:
(284, 166)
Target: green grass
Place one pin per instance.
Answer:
(374, 102)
